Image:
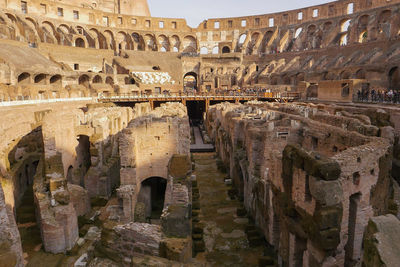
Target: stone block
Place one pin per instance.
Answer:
(176, 249)
(175, 221)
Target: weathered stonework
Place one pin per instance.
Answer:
(310, 183)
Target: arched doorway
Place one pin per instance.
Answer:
(79, 42)
(394, 79)
(151, 197)
(226, 50)
(84, 80)
(190, 82)
(83, 159)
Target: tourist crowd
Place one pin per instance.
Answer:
(389, 96)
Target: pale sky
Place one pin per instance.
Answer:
(195, 11)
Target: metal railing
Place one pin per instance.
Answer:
(275, 95)
(378, 98)
(43, 101)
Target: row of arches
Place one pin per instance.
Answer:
(360, 29)
(90, 37)
(41, 78)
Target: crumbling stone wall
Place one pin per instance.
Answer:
(10, 243)
(146, 146)
(309, 178)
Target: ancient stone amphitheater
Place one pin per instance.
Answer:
(131, 140)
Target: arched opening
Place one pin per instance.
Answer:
(129, 80)
(241, 41)
(343, 39)
(110, 81)
(344, 26)
(394, 79)
(84, 80)
(215, 50)
(83, 159)
(363, 37)
(56, 79)
(97, 79)
(70, 174)
(24, 78)
(345, 75)
(226, 50)
(151, 197)
(40, 79)
(189, 44)
(297, 33)
(22, 170)
(204, 50)
(312, 91)
(360, 74)
(190, 82)
(79, 42)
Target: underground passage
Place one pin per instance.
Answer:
(132, 139)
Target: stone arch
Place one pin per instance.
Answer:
(298, 32)
(151, 43)
(64, 28)
(175, 43)
(215, 50)
(384, 16)
(189, 44)
(252, 43)
(48, 32)
(79, 42)
(101, 39)
(241, 41)
(163, 42)
(64, 32)
(265, 42)
(360, 74)
(226, 50)
(124, 41)
(129, 80)
(24, 78)
(204, 50)
(109, 36)
(345, 75)
(56, 79)
(110, 80)
(40, 78)
(32, 24)
(84, 80)
(190, 81)
(344, 25)
(97, 79)
(138, 41)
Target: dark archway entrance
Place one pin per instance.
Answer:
(83, 159)
(226, 50)
(190, 82)
(152, 195)
(394, 79)
(196, 110)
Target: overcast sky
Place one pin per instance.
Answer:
(195, 11)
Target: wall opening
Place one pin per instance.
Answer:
(83, 158)
(353, 209)
(190, 82)
(152, 194)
